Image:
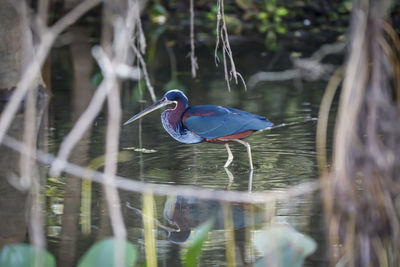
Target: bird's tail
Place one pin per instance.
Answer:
(290, 124)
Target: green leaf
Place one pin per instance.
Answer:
(23, 255)
(348, 5)
(281, 11)
(245, 4)
(193, 253)
(270, 7)
(262, 16)
(97, 79)
(277, 19)
(281, 29)
(101, 254)
(157, 10)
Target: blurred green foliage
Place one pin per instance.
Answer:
(195, 246)
(25, 255)
(101, 254)
(267, 19)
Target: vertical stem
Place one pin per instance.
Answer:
(193, 58)
(43, 7)
(110, 169)
(30, 177)
(229, 235)
(148, 224)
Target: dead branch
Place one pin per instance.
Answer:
(309, 69)
(140, 51)
(144, 70)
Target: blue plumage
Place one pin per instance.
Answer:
(210, 121)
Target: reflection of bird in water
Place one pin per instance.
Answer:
(188, 213)
(209, 123)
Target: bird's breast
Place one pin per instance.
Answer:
(176, 129)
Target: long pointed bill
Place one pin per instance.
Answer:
(157, 105)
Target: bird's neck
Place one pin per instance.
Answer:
(172, 122)
(174, 116)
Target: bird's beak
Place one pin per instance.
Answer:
(157, 105)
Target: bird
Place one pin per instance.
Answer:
(206, 123)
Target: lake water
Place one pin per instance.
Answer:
(282, 158)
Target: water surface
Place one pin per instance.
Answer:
(282, 157)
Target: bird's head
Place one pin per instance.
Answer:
(175, 95)
(171, 97)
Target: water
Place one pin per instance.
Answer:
(282, 157)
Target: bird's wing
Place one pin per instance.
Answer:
(215, 121)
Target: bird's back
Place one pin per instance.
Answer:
(209, 121)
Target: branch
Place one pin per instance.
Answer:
(129, 184)
(145, 73)
(309, 69)
(193, 58)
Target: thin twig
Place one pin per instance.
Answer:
(144, 70)
(141, 38)
(222, 33)
(129, 184)
(217, 30)
(140, 49)
(193, 58)
(157, 222)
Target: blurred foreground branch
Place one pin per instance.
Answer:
(129, 184)
(32, 71)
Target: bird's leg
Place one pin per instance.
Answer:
(231, 178)
(230, 156)
(248, 150)
(250, 180)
